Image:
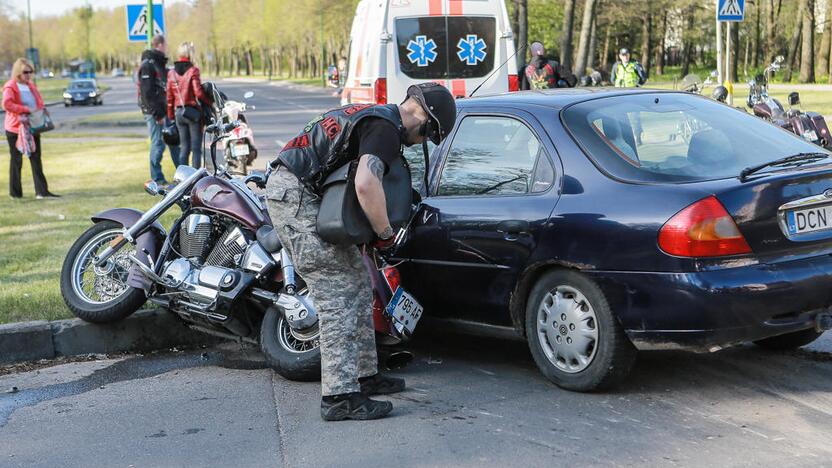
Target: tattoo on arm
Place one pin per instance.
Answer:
(376, 166)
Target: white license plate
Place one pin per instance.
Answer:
(404, 310)
(809, 219)
(240, 150)
(810, 135)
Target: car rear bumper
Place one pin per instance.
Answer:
(708, 310)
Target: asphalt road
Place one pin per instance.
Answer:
(471, 401)
(280, 110)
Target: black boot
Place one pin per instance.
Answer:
(354, 406)
(380, 385)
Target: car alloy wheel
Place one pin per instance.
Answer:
(567, 329)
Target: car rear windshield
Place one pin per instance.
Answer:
(446, 47)
(675, 137)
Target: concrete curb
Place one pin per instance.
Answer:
(146, 330)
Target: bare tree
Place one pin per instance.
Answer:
(646, 32)
(794, 43)
(807, 53)
(583, 44)
(661, 44)
(566, 33)
(825, 42)
(755, 44)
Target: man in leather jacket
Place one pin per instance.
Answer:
(338, 283)
(543, 73)
(152, 79)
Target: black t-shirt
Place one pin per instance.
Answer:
(378, 137)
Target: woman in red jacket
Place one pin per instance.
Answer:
(184, 94)
(20, 98)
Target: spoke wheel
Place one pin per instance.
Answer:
(567, 329)
(101, 285)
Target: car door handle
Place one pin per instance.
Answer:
(512, 228)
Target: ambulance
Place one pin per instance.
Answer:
(457, 43)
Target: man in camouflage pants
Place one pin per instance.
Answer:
(338, 283)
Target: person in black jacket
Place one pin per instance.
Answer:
(153, 102)
(545, 73)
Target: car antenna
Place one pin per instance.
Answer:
(497, 69)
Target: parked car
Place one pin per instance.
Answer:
(45, 73)
(65, 73)
(117, 73)
(84, 91)
(582, 220)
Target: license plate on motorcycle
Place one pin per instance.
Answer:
(810, 135)
(240, 149)
(404, 310)
(809, 220)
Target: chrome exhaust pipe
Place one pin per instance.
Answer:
(397, 360)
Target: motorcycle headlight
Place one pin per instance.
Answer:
(67, 96)
(92, 94)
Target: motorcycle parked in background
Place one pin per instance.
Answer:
(237, 146)
(220, 268)
(810, 126)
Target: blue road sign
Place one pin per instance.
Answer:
(730, 10)
(137, 22)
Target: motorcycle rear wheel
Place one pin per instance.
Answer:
(293, 355)
(99, 294)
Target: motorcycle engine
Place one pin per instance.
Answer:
(201, 284)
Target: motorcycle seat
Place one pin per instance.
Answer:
(267, 237)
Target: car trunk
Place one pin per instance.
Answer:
(788, 212)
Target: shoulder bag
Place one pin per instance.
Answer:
(40, 121)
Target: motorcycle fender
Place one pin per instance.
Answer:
(150, 241)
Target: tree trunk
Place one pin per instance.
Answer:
(746, 56)
(807, 54)
(515, 21)
(605, 56)
(249, 64)
(755, 45)
(593, 44)
(646, 32)
(771, 34)
(794, 44)
(688, 44)
(825, 41)
(566, 33)
(661, 45)
(522, 30)
(583, 44)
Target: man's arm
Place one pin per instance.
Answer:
(370, 193)
(642, 75)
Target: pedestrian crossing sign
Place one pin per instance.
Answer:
(137, 22)
(730, 10)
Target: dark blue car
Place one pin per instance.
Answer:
(596, 223)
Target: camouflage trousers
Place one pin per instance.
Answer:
(338, 285)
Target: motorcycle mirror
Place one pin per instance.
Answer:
(779, 59)
(794, 98)
(248, 95)
(152, 188)
(713, 74)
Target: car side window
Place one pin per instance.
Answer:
(494, 155)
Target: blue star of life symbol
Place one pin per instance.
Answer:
(471, 49)
(422, 51)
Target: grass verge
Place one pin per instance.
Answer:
(112, 117)
(36, 234)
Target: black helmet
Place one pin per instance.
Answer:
(170, 134)
(720, 93)
(440, 106)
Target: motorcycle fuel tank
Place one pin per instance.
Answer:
(220, 196)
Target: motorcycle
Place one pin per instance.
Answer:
(810, 126)
(221, 269)
(237, 146)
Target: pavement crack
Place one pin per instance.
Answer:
(278, 422)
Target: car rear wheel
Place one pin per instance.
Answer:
(789, 341)
(573, 336)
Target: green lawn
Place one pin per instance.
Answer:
(36, 234)
(111, 117)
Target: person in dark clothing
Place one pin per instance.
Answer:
(152, 83)
(184, 98)
(545, 73)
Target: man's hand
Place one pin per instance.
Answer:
(370, 192)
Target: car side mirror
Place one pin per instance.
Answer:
(152, 188)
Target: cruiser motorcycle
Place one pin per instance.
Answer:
(221, 269)
(237, 148)
(810, 126)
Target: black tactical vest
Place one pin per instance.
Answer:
(322, 146)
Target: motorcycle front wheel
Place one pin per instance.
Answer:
(99, 294)
(292, 354)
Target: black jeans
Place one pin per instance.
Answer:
(16, 164)
(190, 139)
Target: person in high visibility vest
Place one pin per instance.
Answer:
(627, 73)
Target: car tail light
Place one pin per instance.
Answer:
(393, 278)
(513, 83)
(380, 90)
(704, 229)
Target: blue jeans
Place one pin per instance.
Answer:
(190, 139)
(157, 147)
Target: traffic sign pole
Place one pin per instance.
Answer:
(719, 68)
(728, 64)
(150, 28)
